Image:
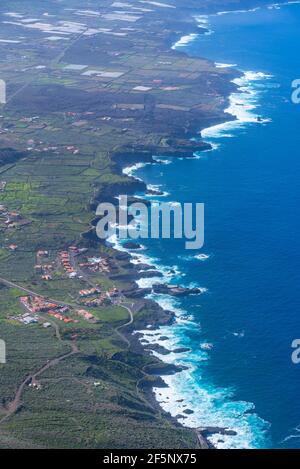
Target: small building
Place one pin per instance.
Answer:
(43, 253)
(29, 320)
(85, 314)
(46, 277)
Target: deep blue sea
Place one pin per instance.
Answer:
(241, 327)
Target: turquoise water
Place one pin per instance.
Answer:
(241, 327)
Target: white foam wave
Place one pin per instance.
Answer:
(130, 170)
(202, 19)
(188, 390)
(156, 187)
(211, 406)
(223, 65)
(168, 303)
(234, 12)
(160, 160)
(277, 6)
(184, 40)
(202, 257)
(242, 105)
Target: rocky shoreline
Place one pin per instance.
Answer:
(157, 316)
(182, 147)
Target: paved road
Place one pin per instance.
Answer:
(130, 321)
(8, 283)
(129, 308)
(15, 403)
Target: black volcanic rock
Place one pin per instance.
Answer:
(181, 350)
(174, 290)
(156, 382)
(136, 292)
(123, 256)
(149, 274)
(157, 348)
(212, 430)
(144, 267)
(132, 274)
(154, 192)
(188, 411)
(165, 369)
(131, 245)
(128, 266)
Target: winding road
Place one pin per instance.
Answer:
(15, 403)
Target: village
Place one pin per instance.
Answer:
(11, 219)
(67, 261)
(39, 308)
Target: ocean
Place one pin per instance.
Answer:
(239, 330)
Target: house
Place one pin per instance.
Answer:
(85, 314)
(43, 253)
(29, 320)
(89, 292)
(46, 277)
(14, 215)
